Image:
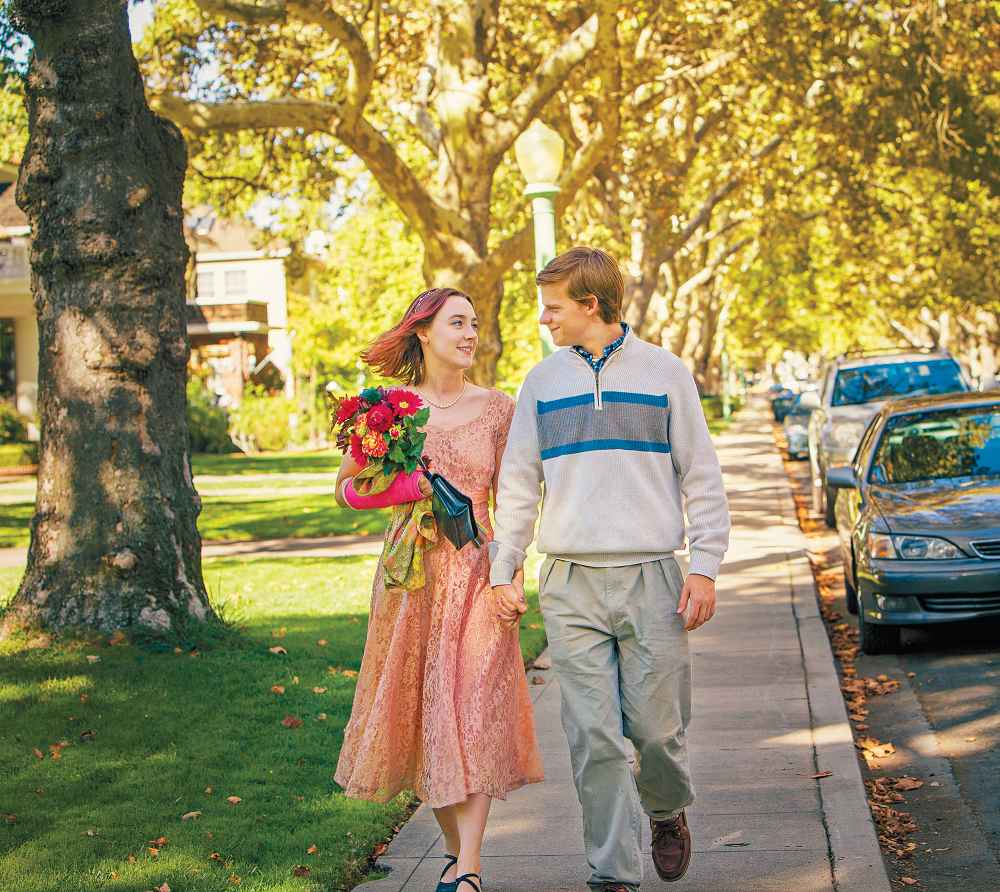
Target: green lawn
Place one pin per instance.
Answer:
(153, 736)
(288, 495)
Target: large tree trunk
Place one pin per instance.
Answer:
(113, 541)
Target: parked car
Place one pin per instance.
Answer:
(853, 388)
(781, 403)
(918, 516)
(796, 424)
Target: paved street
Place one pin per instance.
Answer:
(768, 716)
(945, 724)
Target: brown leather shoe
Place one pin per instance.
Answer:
(671, 847)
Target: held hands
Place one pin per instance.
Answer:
(698, 598)
(511, 603)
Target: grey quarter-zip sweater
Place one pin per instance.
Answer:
(614, 458)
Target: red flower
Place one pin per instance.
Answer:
(404, 402)
(380, 418)
(357, 453)
(348, 406)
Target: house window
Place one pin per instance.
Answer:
(206, 285)
(8, 379)
(236, 282)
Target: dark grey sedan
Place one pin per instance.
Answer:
(918, 515)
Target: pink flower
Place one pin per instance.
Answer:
(379, 418)
(356, 451)
(374, 445)
(404, 402)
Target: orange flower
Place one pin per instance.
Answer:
(374, 444)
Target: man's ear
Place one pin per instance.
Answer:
(592, 307)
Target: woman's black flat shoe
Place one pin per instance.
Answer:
(442, 886)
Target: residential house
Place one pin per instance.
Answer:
(237, 306)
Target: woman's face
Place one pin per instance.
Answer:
(453, 334)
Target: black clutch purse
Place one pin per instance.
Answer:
(452, 511)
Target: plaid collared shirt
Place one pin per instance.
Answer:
(598, 364)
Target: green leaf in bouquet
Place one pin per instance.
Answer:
(421, 416)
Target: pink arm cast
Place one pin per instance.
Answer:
(405, 488)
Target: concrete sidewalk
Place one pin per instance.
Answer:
(768, 716)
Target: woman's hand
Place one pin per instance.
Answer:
(425, 486)
(510, 601)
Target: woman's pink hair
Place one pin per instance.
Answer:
(397, 353)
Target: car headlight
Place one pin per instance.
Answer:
(847, 435)
(911, 548)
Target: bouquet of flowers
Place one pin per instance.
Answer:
(381, 430)
(381, 427)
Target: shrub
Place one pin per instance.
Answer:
(208, 424)
(262, 421)
(13, 425)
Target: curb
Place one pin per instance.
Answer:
(855, 857)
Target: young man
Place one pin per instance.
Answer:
(614, 429)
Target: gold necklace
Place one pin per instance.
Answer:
(452, 403)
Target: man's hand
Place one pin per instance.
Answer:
(511, 603)
(698, 597)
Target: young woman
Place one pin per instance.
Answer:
(442, 704)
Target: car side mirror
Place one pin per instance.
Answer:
(841, 477)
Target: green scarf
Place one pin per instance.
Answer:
(411, 532)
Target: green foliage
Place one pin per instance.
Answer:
(13, 425)
(208, 424)
(262, 421)
(16, 455)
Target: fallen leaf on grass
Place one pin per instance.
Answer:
(163, 888)
(233, 800)
(191, 815)
(277, 689)
(84, 698)
(279, 633)
(159, 842)
(909, 881)
(312, 850)
(277, 649)
(234, 879)
(88, 735)
(291, 721)
(215, 856)
(321, 717)
(10, 819)
(118, 638)
(131, 858)
(319, 690)
(322, 642)
(93, 658)
(209, 791)
(300, 870)
(38, 753)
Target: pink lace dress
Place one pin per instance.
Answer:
(442, 705)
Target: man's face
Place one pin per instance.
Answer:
(566, 319)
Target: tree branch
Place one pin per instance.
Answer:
(549, 78)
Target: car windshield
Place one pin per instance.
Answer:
(886, 380)
(940, 444)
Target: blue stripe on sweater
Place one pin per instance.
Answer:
(641, 399)
(603, 446)
(608, 396)
(583, 399)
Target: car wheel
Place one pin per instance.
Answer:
(875, 639)
(850, 593)
(829, 507)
